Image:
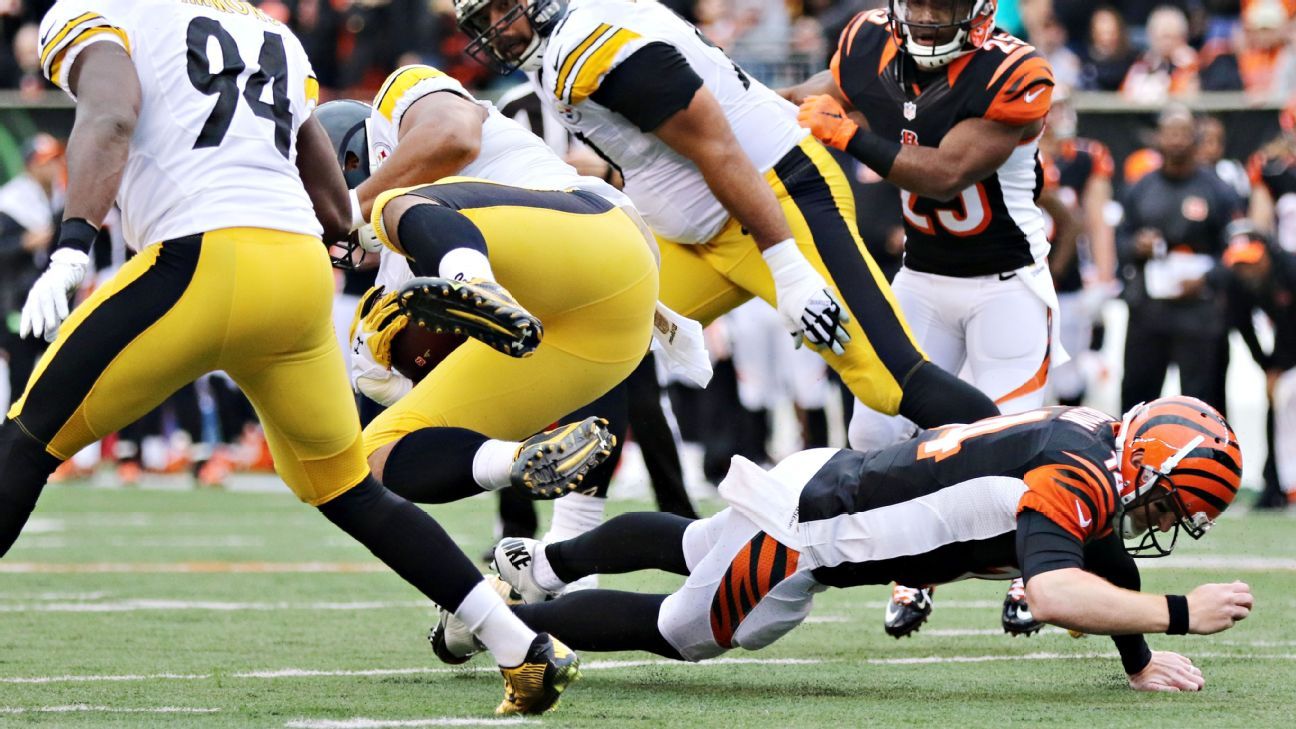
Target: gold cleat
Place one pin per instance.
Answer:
(483, 310)
(535, 686)
(555, 462)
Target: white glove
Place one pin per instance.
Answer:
(809, 308)
(380, 384)
(360, 227)
(683, 347)
(368, 239)
(47, 302)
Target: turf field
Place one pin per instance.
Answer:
(215, 609)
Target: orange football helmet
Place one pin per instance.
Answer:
(1178, 456)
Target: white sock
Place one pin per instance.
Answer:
(465, 264)
(573, 515)
(542, 572)
(492, 462)
(503, 634)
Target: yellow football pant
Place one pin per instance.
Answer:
(588, 275)
(255, 303)
(705, 281)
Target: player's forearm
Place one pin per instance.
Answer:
(1077, 600)
(742, 190)
(820, 83)
(423, 156)
(108, 108)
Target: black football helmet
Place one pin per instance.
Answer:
(347, 123)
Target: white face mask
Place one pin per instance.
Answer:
(924, 53)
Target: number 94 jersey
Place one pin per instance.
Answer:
(225, 89)
(993, 226)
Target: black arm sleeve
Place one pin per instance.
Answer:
(650, 86)
(1108, 559)
(1043, 546)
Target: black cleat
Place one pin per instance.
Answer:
(483, 310)
(908, 609)
(555, 462)
(1017, 618)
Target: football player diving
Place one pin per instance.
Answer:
(227, 185)
(1051, 494)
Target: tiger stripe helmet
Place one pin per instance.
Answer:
(1177, 454)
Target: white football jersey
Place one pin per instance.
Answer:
(225, 89)
(509, 154)
(668, 190)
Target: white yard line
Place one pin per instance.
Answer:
(1228, 563)
(212, 567)
(87, 708)
(284, 673)
(363, 723)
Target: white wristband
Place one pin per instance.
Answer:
(784, 258)
(357, 217)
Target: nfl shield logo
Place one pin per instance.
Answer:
(910, 110)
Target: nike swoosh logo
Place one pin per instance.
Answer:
(1083, 521)
(1031, 96)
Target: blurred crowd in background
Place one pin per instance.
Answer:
(1147, 49)
(1152, 52)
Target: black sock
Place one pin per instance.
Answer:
(626, 543)
(428, 232)
(602, 620)
(1076, 401)
(934, 397)
(25, 466)
(434, 465)
(406, 539)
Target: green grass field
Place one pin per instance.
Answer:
(212, 609)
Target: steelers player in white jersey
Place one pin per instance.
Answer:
(196, 118)
(743, 202)
(570, 248)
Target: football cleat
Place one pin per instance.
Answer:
(513, 560)
(1017, 618)
(535, 686)
(483, 310)
(553, 463)
(452, 641)
(908, 609)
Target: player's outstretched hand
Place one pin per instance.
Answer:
(1216, 607)
(1168, 671)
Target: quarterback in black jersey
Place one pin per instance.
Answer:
(1051, 494)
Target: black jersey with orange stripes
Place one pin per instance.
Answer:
(993, 226)
(1077, 162)
(952, 496)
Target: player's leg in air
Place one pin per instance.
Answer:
(585, 285)
(252, 301)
